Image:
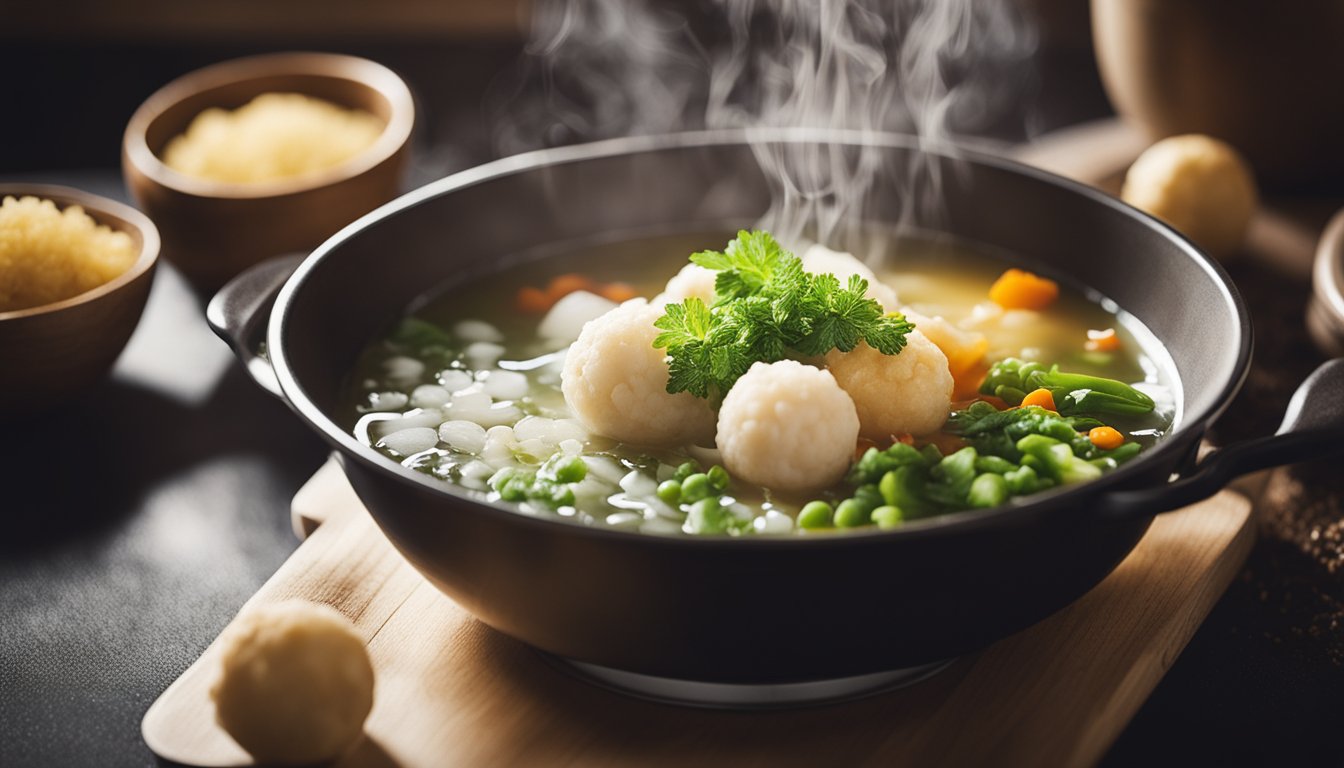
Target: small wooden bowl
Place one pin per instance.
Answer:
(52, 352)
(214, 230)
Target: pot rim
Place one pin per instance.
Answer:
(947, 524)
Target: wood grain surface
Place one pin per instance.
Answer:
(451, 691)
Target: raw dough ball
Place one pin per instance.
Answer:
(820, 260)
(615, 381)
(1198, 185)
(909, 393)
(788, 427)
(295, 683)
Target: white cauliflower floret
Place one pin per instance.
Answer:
(692, 281)
(907, 393)
(788, 427)
(616, 383)
(820, 260)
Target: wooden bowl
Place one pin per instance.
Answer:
(52, 352)
(213, 230)
(1258, 75)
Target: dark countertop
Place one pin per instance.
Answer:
(141, 517)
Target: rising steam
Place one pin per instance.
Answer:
(938, 69)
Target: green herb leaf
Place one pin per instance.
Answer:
(767, 309)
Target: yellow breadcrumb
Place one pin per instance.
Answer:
(274, 136)
(49, 255)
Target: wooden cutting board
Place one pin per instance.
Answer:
(451, 691)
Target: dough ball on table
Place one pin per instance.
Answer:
(788, 427)
(615, 381)
(1197, 184)
(295, 683)
(908, 393)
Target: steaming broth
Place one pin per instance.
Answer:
(466, 391)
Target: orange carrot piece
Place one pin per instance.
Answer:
(563, 285)
(617, 292)
(1102, 341)
(1041, 397)
(1106, 438)
(1019, 289)
(532, 301)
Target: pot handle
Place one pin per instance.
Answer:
(1312, 426)
(243, 305)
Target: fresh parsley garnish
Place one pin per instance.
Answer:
(767, 308)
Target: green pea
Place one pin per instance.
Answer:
(851, 513)
(888, 516)
(718, 478)
(695, 488)
(815, 514)
(571, 471)
(685, 470)
(706, 516)
(669, 491)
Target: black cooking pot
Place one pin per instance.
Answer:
(719, 611)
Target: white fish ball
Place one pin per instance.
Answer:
(615, 382)
(788, 427)
(908, 393)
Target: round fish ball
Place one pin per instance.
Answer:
(1199, 185)
(615, 382)
(294, 683)
(693, 281)
(788, 427)
(820, 260)
(908, 393)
